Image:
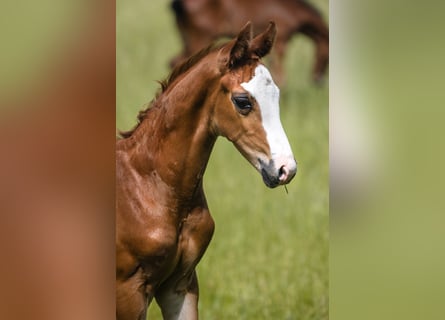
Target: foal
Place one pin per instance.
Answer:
(202, 21)
(163, 225)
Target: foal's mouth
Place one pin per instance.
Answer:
(269, 180)
(274, 177)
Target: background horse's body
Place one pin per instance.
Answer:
(202, 21)
(163, 225)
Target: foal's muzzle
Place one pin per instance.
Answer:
(279, 171)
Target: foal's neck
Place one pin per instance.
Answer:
(175, 140)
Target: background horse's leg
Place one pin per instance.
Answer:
(277, 60)
(177, 303)
(321, 64)
(316, 29)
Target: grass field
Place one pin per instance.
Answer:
(269, 255)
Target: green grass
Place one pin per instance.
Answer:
(269, 255)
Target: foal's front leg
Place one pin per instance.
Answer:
(178, 302)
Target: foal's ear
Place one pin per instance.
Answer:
(263, 42)
(239, 48)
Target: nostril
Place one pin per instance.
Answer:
(283, 173)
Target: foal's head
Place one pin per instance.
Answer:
(247, 107)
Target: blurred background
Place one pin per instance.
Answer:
(57, 138)
(268, 258)
(386, 156)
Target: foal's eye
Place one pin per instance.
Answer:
(242, 103)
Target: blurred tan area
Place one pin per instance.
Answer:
(57, 133)
(386, 155)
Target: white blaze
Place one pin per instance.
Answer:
(267, 95)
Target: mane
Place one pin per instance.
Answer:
(166, 83)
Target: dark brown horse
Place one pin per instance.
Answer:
(202, 21)
(163, 225)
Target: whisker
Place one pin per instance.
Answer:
(285, 188)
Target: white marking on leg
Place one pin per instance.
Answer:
(189, 307)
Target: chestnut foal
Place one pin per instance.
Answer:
(163, 225)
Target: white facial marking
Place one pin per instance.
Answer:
(267, 95)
